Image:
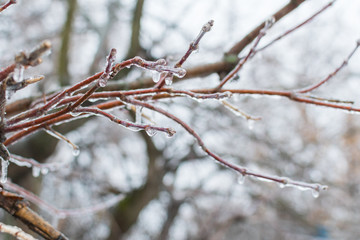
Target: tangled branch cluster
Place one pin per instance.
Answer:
(68, 104)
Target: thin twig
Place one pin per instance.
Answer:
(312, 17)
(332, 74)
(62, 213)
(241, 170)
(231, 75)
(194, 46)
(133, 126)
(6, 5)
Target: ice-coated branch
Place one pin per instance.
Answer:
(16, 206)
(151, 130)
(315, 187)
(6, 5)
(16, 232)
(332, 74)
(63, 213)
(37, 167)
(238, 112)
(13, 85)
(194, 46)
(312, 17)
(158, 66)
(34, 57)
(285, 10)
(268, 24)
(109, 63)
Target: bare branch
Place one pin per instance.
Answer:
(6, 5)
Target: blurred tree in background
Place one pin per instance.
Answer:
(285, 112)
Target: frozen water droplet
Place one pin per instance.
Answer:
(170, 133)
(155, 76)
(241, 178)
(284, 183)
(35, 171)
(180, 73)
(128, 66)
(44, 171)
(169, 80)
(4, 170)
(251, 124)
(196, 49)
(150, 131)
(315, 193)
(76, 151)
(227, 94)
(102, 82)
(270, 22)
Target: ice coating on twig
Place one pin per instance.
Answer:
(108, 67)
(4, 170)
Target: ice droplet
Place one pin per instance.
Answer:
(170, 133)
(102, 82)
(241, 178)
(284, 183)
(251, 124)
(315, 193)
(169, 80)
(180, 73)
(150, 131)
(35, 171)
(156, 76)
(76, 151)
(4, 170)
(196, 49)
(44, 171)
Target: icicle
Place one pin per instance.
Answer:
(4, 170)
(156, 76)
(19, 73)
(138, 114)
(241, 178)
(36, 171)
